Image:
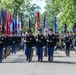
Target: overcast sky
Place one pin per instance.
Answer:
(40, 3)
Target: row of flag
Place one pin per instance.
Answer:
(45, 24)
(13, 24)
(9, 23)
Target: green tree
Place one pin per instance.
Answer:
(64, 11)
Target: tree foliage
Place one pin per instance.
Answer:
(64, 10)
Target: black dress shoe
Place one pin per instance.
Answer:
(29, 60)
(38, 60)
(41, 60)
(0, 61)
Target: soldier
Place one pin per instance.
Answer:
(57, 41)
(36, 46)
(7, 43)
(72, 37)
(1, 46)
(75, 41)
(46, 35)
(39, 45)
(62, 42)
(29, 40)
(13, 44)
(51, 42)
(68, 43)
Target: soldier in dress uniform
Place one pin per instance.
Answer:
(13, 43)
(39, 45)
(75, 42)
(72, 37)
(68, 43)
(62, 41)
(1, 46)
(6, 44)
(57, 41)
(29, 40)
(46, 36)
(51, 42)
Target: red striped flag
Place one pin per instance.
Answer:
(37, 20)
(8, 23)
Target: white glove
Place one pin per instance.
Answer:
(36, 39)
(47, 40)
(24, 40)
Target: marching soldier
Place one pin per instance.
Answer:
(73, 40)
(62, 42)
(5, 41)
(51, 42)
(29, 40)
(57, 41)
(13, 43)
(68, 43)
(45, 35)
(1, 47)
(33, 42)
(39, 45)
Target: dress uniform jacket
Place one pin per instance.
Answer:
(10, 40)
(14, 39)
(40, 40)
(68, 41)
(51, 41)
(1, 42)
(30, 40)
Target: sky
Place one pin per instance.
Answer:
(41, 3)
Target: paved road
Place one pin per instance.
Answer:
(15, 64)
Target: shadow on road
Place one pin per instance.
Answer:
(64, 62)
(32, 62)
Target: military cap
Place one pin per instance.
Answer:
(28, 30)
(39, 29)
(50, 29)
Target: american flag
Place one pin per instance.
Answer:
(37, 17)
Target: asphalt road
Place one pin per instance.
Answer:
(16, 64)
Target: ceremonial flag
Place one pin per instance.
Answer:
(15, 26)
(37, 17)
(7, 31)
(29, 23)
(21, 25)
(21, 20)
(11, 24)
(3, 14)
(7, 26)
(65, 28)
(45, 24)
(44, 21)
(55, 25)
